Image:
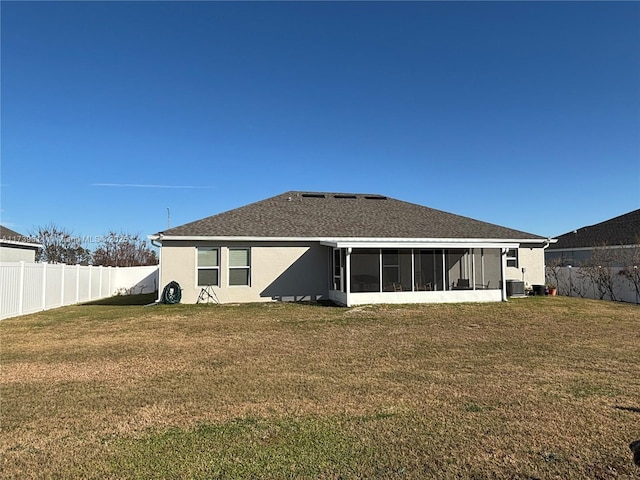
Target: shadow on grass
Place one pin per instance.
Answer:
(627, 409)
(319, 303)
(126, 300)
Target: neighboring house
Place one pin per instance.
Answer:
(15, 247)
(618, 234)
(348, 248)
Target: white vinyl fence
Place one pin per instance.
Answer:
(585, 283)
(33, 287)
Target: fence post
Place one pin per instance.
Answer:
(44, 286)
(21, 289)
(90, 275)
(77, 283)
(62, 287)
(100, 283)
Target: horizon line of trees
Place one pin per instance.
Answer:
(59, 245)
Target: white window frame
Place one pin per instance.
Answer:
(198, 267)
(512, 258)
(237, 267)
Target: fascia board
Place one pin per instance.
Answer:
(430, 242)
(35, 246)
(606, 247)
(434, 243)
(363, 242)
(195, 238)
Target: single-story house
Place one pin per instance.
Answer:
(348, 248)
(615, 236)
(15, 247)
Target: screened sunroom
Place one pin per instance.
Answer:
(407, 275)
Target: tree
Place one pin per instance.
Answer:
(631, 267)
(553, 274)
(60, 246)
(600, 269)
(124, 250)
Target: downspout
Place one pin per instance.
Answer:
(159, 246)
(547, 243)
(347, 274)
(154, 238)
(503, 272)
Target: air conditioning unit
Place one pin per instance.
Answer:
(515, 288)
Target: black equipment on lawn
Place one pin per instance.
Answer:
(172, 293)
(208, 295)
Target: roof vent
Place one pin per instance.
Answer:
(313, 195)
(344, 196)
(375, 197)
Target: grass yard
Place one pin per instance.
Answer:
(536, 388)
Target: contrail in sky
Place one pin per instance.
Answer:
(139, 185)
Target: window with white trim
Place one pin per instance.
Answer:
(208, 266)
(239, 266)
(512, 257)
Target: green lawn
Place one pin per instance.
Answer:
(533, 388)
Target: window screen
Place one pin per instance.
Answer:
(239, 266)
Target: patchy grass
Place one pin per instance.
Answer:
(242, 448)
(532, 388)
(127, 300)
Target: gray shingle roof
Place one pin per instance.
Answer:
(341, 215)
(13, 236)
(622, 230)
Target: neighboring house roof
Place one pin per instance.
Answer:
(341, 215)
(622, 230)
(9, 237)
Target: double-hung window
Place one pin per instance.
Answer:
(239, 266)
(208, 266)
(512, 257)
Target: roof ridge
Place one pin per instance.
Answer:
(309, 214)
(331, 193)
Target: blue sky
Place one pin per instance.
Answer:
(517, 113)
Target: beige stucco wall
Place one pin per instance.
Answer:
(279, 271)
(17, 254)
(532, 258)
(292, 271)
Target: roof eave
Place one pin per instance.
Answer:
(34, 246)
(355, 241)
(429, 242)
(597, 247)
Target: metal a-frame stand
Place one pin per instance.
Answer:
(208, 295)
